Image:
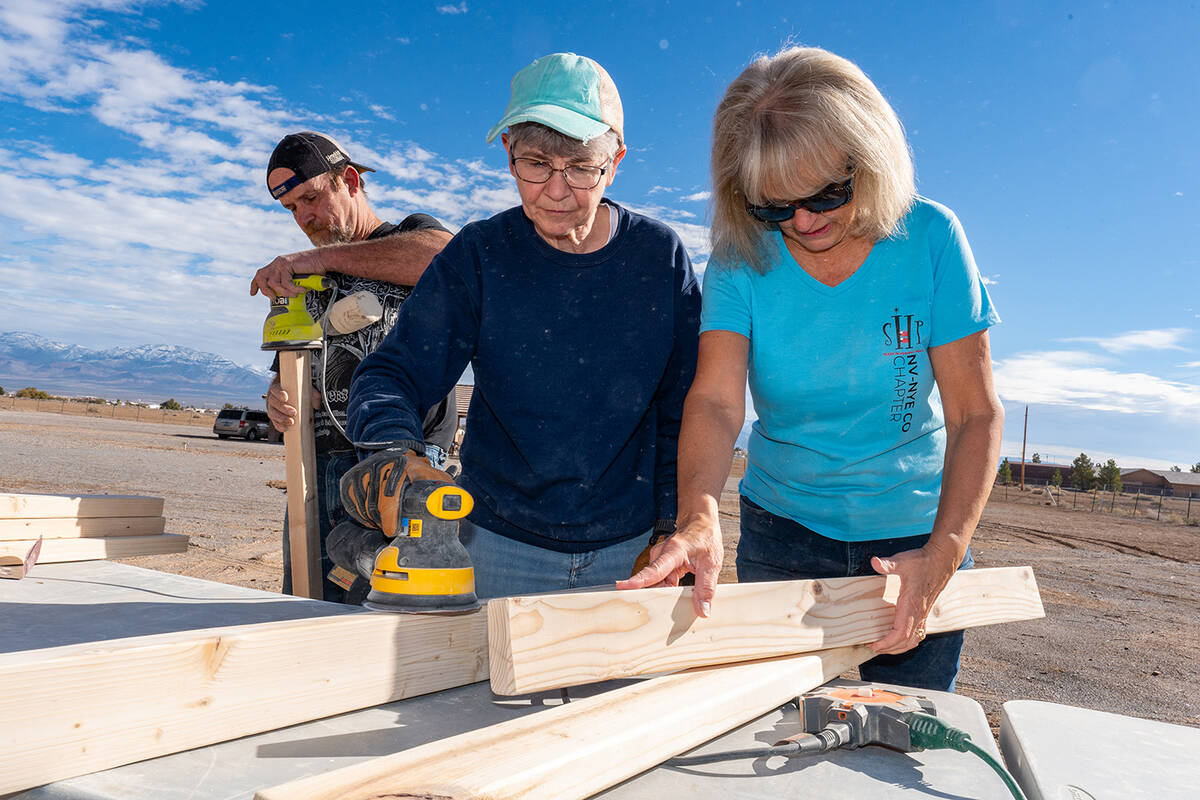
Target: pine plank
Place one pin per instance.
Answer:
(76, 527)
(20, 506)
(583, 747)
(94, 548)
(78, 709)
(304, 532)
(553, 640)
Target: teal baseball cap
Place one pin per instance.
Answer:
(567, 92)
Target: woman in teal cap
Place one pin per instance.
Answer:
(847, 300)
(579, 319)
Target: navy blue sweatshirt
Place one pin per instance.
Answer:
(581, 365)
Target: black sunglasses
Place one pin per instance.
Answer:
(835, 195)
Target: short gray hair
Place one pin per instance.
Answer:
(337, 177)
(552, 143)
(793, 123)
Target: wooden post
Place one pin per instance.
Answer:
(1024, 436)
(304, 533)
(1161, 495)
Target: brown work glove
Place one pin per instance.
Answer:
(373, 488)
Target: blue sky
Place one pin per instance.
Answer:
(133, 137)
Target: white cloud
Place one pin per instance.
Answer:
(657, 189)
(131, 242)
(128, 243)
(987, 281)
(1081, 380)
(1164, 339)
(1192, 365)
(383, 112)
(697, 197)
(461, 8)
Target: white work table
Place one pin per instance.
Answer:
(60, 604)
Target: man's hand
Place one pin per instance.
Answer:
(695, 548)
(923, 574)
(275, 279)
(283, 416)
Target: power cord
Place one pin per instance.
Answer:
(830, 738)
(930, 733)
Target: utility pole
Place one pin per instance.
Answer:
(1024, 434)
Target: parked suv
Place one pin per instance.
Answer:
(250, 425)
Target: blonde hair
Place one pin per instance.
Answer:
(789, 125)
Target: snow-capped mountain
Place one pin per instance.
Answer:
(147, 372)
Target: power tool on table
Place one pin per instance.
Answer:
(858, 716)
(403, 535)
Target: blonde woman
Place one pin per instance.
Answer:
(847, 300)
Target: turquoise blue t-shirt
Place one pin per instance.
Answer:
(850, 437)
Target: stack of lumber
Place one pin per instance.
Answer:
(83, 527)
(168, 692)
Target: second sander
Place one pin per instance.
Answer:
(403, 535)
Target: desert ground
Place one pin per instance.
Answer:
(1122, 594)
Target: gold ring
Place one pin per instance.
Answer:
(920, 633)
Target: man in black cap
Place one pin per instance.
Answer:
(313, 178)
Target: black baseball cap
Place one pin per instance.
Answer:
(308, 155)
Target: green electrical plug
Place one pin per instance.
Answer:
(930, 733)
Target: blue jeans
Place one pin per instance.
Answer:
(505, 567)
(775, 548)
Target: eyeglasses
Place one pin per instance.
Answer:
(835, 195)
(577, 176)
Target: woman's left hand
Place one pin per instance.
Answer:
(923, 574)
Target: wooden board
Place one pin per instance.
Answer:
(82, 708)
(17, 567)
(21, 506)
(583, 747)
(92, 549)
(300, 454)
(75, 527)
(552, 640)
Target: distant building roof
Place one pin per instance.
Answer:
(462, 397)
(1186, 478)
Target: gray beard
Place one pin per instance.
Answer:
(331, 236)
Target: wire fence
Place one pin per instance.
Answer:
(1152, 505)
(85, 408)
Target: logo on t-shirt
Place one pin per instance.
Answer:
(902, 331)
(902, 340)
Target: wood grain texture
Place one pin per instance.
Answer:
(21, 506)
(17, 567)
(548, 641)
(583, 747)
(82, 708)
(96, 548)
(76, 527)
(304, 533)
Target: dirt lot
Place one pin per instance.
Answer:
(1122, 595)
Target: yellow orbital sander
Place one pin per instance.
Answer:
(403, 536)
(289, 326)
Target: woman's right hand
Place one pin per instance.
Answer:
(695, 547)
